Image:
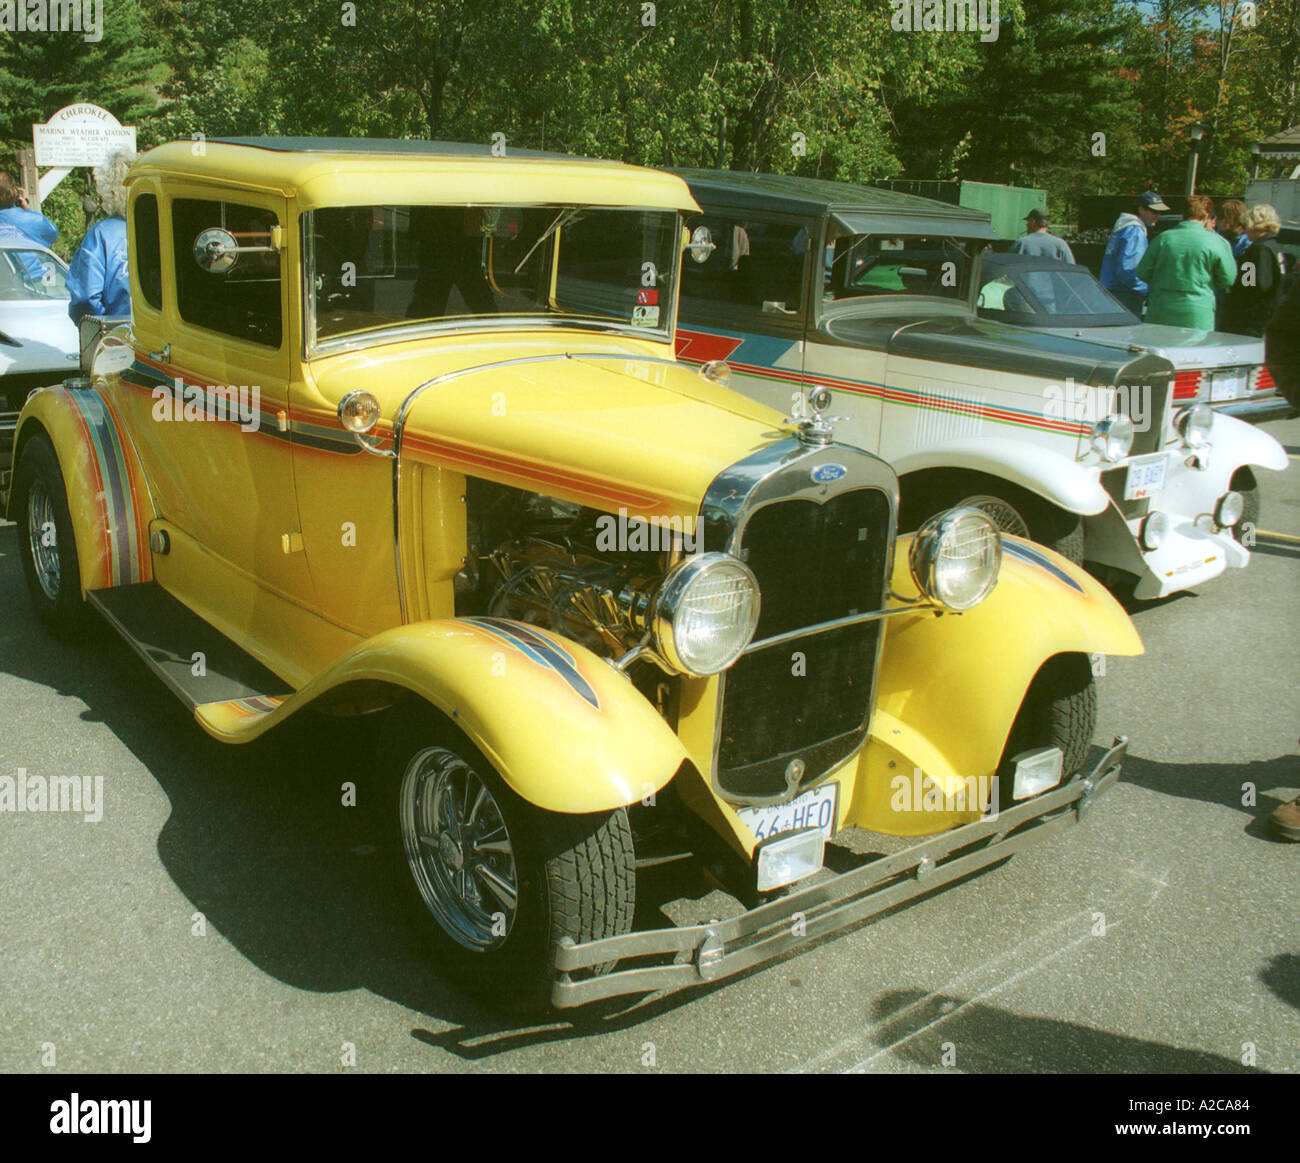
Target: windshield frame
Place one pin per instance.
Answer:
(397, 332)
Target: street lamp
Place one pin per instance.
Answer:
(1195, 131)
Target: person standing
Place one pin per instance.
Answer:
(1232, 211)
(1037, 240)
(1282, 354)
(15, 211)
(98, 282)
(1255, 295)
(1184, 266)
(1125, 248)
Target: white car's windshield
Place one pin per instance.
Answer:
(377, 267)
(30, 274)
(880, 264)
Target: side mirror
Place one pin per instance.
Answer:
(216, 250)
(701, 244)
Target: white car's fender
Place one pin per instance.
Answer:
(1072, 486)
(1242, 443)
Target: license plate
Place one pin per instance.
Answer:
(818, 808)
(1146, 475)
(1227, 385)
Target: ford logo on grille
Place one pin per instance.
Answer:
(823, 474)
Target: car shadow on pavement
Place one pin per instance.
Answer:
(260, 841)
(1282, 976)
(1223, 784)
(919, 1028)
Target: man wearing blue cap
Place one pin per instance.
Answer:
(1125, 248)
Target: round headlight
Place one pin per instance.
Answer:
(1154, 529)
(1194, 425)
(705, 613)
(1112, 437)
(1229, 509)
(955, 558)
(359, 411)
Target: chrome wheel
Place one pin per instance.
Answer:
(42, 539)
(458, 849)
(1004, 515)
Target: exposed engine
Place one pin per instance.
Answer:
(555, 564)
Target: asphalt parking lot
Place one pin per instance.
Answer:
(227, 914)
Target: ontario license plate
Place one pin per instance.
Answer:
(818, 808)
(1146, 475)
(1227, 385)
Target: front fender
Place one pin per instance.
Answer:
(108, 499)
(950, 685)
(1242, 443)
(562, 727)
(1060, 479)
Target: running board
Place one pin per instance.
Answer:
(197, 663)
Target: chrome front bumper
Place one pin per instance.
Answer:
(710, 952)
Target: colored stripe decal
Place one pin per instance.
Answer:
(1034, 557)
(688, 345)
(542, 651)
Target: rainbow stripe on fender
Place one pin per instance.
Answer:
(121, 495)
(541, 650)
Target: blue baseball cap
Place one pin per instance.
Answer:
(1152, 201)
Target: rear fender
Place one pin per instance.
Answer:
(561, 726)
(108, 498)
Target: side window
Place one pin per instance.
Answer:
(244, 299)
(757, 265)
(148, 250)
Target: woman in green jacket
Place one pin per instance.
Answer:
(1184, 266)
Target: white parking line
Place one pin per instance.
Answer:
(855, 1055)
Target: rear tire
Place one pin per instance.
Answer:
(1059, 710)
(494, 882)
(46, 542)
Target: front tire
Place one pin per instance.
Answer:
(1243, 482)
(497, 883)
(46, 542)
(1059, 710)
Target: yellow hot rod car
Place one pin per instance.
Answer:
(397, 427)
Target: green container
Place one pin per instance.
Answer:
(1006, 205)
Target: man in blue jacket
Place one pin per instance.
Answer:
(98, 282)
(1125, 248)
(14, 212)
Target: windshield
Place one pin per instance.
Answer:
(30, 274)
(876, 264)
(1049, 292)
(377, 267)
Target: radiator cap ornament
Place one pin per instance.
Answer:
(820, 429)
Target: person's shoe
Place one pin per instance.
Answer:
(1286, 820)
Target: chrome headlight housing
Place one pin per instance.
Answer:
(1154, 530)
(1229, 509)
(704, 613)
(955, 558)
(1112, 437)
(359, 411)
(1194, 425)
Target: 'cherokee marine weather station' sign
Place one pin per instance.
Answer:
(80, 135)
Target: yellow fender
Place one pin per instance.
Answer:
(108, 498)
(950, 685)
(561, 726)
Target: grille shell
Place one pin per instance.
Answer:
(809, 698)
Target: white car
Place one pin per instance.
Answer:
(38, 342)
(865, 301)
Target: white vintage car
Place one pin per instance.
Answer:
(38, 342)
(868, 298)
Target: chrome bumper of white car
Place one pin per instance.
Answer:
(710, 952)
